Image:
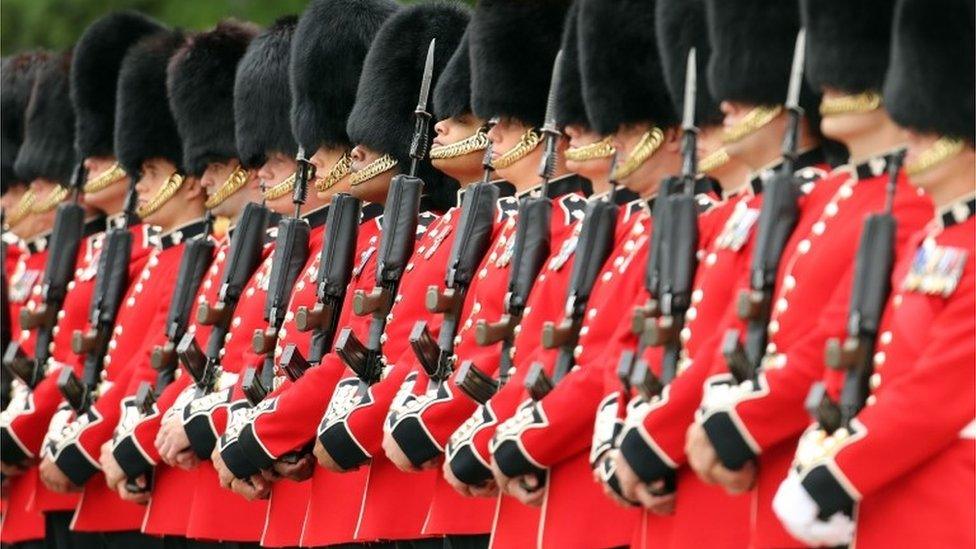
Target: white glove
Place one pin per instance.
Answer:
(798, 513)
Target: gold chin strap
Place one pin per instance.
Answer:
(376, 167)
(600, 149)
(51, 201)
(850, 104)
(755, 119)
(477, 142)
(649, 143)
(113, 174)
(940, 151)
(168, 191)
(22, 208)
(233, 184)
(281, 189)
(527, 143)
(713, 161)
(342, 168)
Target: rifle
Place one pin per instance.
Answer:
(400, 217)
(777, 219)
(872, 285)
(531, 248)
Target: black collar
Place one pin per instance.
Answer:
(371, 210)
(806, 159)
(116, 221)
(94, 226)
(874, 166)
(957, 212)
(563, 185)
(38, 243)
(316, 218)
(504, 188)
(622, 195)
(181, 234)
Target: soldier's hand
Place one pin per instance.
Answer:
(704, 461)
(223, 473)
(627, 479)
(325, 459)
(396, 455)
(13, 469)
(251, 489)
(114, 475)
(173, 444)
(55, 479)
(487, 490)
(299, 470)
(525, 488)
(141, 497)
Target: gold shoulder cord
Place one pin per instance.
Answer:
(22, 208)
(234, 183)
(376, 167)
(113, 174)
(51, 201)
(281, 189)
(600, 149)
(163, 195)
(649, 143)
(713, 161)
(527, 143)
(940, 151)
(850, 104)
(468, 145)
(341, 169)
(755, 119)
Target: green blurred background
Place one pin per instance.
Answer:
(56, 24)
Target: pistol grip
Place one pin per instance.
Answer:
(643, 379)
(83, 342)
(293, 363)
(208, 315)
(479, 386)
(263, 341)
(368, 303)
(486, 333)
(625, 367)
(735, 356)
(252, 387)
(752, 304)
(537, 381)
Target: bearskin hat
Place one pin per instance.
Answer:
(95, 73)
(680, 27)
(200, 81)
(327, 53)
(17, 73)
(49, 125)
(452, 96)
(144, 124)
(513, 45)
(930, 82)
(752, 51)
(570, 108)
(621, 88)
(262, 98)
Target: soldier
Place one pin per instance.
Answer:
(200, 84)
(768, 408)
(914, 429)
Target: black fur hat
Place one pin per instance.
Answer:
(513, 44)
(848, 43)
(95, 73)
(262, 98)
(144, 125)
(570, 108)
(680, 27)
(452, 96)
(200, 82)
(623, 81)
(930, 81)
(327, 53)
(49, 125)
(752, 51)
(17, 74)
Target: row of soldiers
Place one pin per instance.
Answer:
(478, 289)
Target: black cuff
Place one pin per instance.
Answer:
(513, 462)
(828, 492)
(645, 462)
(252, 449)
(201, 435)
(344, 451)
(237, 462)
(129, 458)
(10, 451)
(73, 463)
(732, 449)
(410, 435)
(468, 468)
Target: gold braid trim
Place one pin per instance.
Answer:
(940, 151)
(713, 161)
(600, 149)
(649, 143)
(527, 143)
(755, 119)
(22, 208)
(376, 167)
(281, 189)
(850, 104)
(166, 192)
(51, 201)
(468, 145)
(234, 183)
(342, 168)
(113, 174)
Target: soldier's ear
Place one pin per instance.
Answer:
(672, 140)
(193, 189)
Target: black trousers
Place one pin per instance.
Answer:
(477, 541)
(58, 535)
